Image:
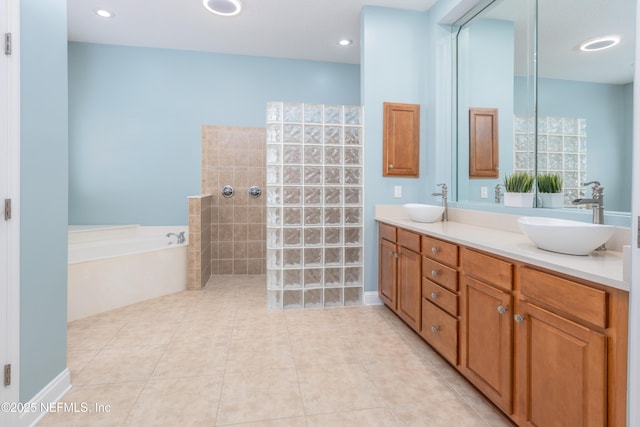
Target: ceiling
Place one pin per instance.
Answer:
(310, 29)
(295, 29)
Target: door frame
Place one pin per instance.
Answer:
(11, 25)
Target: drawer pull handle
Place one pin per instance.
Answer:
(519, 318)
(434, 295)
(435, 329)
(502, 309)
(435, 250)
(434, 273)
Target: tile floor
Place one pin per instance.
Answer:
(218, 357)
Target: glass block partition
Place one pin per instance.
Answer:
(314, 205)
(562, 148)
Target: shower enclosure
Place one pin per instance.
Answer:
(314, 220)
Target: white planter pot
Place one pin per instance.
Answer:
(518, 200)
(552, 200)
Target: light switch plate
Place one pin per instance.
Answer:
(397, 191)
(483, 193)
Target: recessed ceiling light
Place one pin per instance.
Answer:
(104, 13)
(345, 42)
(599, 43)
(223, 7)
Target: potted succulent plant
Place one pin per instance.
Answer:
(517, 190)
(550, 190)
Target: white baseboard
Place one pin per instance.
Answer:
(372, 298)
(51, 393)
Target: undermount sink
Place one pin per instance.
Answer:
(423, 213)
(565, 236)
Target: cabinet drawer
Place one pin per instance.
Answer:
(409, 240)
(444, 252)
(446, 300)
(584, 302)
(442, 275)
(440, 330)
(487, 268)
(387, 232)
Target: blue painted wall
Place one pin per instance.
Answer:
(135, 117)
(394, 69)
(43, 194)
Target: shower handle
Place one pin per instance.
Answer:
(255, 191)
(227, 191)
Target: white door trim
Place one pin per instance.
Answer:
(13, 261)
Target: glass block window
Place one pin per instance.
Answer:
(315, 200)
(562, 148)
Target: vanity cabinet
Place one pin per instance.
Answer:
(487, 326)
(440, 297)
(546, 348)
(399, 284)
(572, 340)
(388, 266)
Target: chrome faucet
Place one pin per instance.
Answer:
(498, 192)
(597, 204)
(443, 193)
(179, 237)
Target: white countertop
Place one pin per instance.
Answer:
(600, 267)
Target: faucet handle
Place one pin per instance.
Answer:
(444, 189)
(597, 183)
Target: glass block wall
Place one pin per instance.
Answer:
(314, 205)
(562, 148)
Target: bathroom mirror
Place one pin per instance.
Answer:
(582, 100)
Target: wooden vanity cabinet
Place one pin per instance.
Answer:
(571, 352)
(440, 297)
(546, 348)
(399, 285)
(388, 266)
(409, 283)
(486, 347)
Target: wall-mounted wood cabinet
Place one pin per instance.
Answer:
(483, 143)
(401, 144)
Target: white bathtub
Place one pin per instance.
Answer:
(115, 266)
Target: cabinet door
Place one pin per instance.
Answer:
(562, 370)
(387, 273)
(410, 287)
(401, 145)
(487, 356)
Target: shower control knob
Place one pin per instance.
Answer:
(227, 191)
(255, 191)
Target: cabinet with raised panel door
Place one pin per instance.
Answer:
(399, 284)
(487, 325)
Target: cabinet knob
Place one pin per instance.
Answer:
(435, 250)
(435, 329)
(390, 166)
(502, 309)
(434, 295)
(519, 318)
(434, 273)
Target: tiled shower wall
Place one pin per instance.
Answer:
(314, 205)
(235, 156)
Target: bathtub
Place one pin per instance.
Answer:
(115, 266)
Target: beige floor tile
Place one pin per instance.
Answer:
(77, 360)
(368, 417)
(336, 388)
(322, 350)
(117, 365)
(119, 398)
(177, 402)
(259, 396)
(179, 364)
(401, 385)
(259, 353)
(440, 411)
(143, 334)
(284, 422)
(81, 337)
